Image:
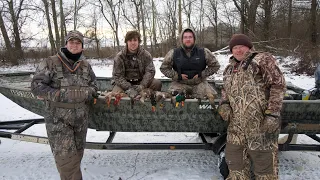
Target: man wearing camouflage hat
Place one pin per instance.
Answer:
(251, 102)
(133, 68)
(67, 83)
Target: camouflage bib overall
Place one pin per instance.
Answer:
(248, 96)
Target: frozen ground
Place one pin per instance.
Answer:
(30, 161)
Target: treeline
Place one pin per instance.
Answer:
(36, 28)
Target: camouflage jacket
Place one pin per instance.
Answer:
(211, 62)
(57, 72)
(261, 85)
(133, 66)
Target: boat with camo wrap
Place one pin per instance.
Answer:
(196, 115)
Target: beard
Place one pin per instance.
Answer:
(188, 47)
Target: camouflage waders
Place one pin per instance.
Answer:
(67, 130)
(251, 89)
(67, 90)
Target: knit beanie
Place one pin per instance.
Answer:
(240, 39)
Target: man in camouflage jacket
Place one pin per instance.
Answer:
(251, 102)
(189, 66)
(133, 68)
(68, 85)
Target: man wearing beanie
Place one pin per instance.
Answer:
(189, 66)
(133, 68)
(68, 85)
(251, 102)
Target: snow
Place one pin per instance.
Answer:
(31, 161)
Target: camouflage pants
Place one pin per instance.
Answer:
(67, 130)
(261, 152)
(201, 90)
(155, 85)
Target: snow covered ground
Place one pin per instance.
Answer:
(30, 161)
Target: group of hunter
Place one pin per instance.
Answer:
(251, 99)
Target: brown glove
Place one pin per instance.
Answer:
(225, 112)
(271, 122)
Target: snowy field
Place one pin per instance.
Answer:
(30, 161)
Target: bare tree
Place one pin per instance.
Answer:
(134, 20)
(92, 33)
(55, 23)
(63, 30)
(142, 5)
(229, 21)
(46, 7)
(180, 17)
(15, 15)
(201, 23)
(172, 22)
(313, 22)
(77, 18)
(113, 10)
(9, 48)
(212, 16)
(75, 13)
(154, 22)
(267, 6)
(248, 12)
(187, 7)
(290, 20)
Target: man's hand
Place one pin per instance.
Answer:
(270, 124)
(225, 112)
(195, 77)
(92, 93)
(132, 93)
(54, 95)
(43, 77)
(184, 76)
(138, 88)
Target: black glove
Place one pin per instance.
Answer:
(92, 93)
